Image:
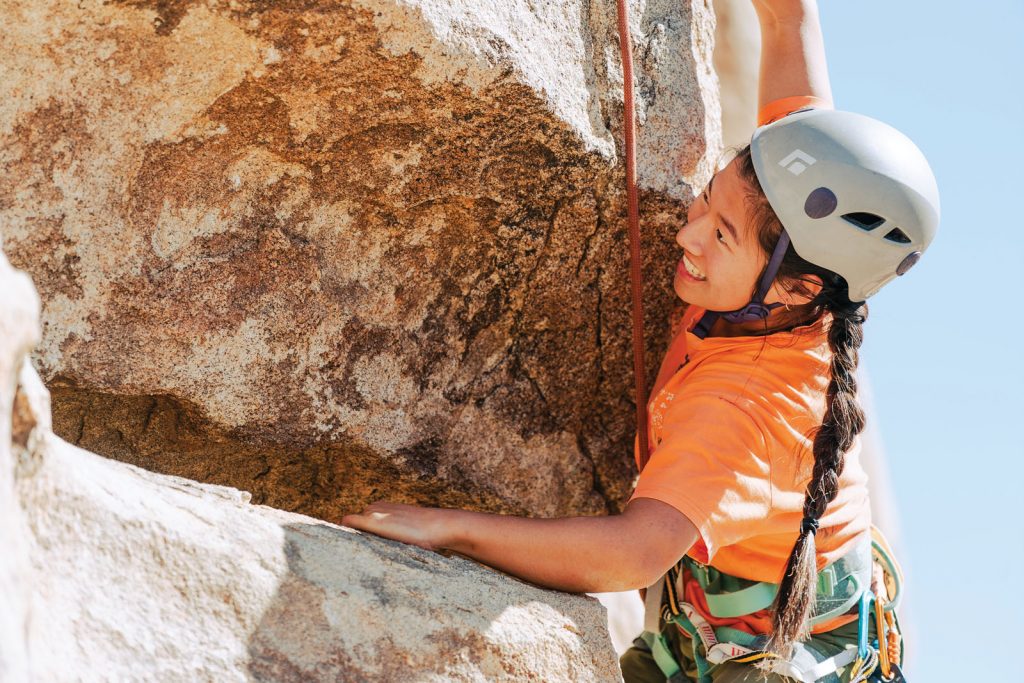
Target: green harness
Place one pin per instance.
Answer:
(841, 586)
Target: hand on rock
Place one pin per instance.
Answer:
(428, 528)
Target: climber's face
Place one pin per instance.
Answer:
(722, 258)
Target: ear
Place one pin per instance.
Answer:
(811, 283)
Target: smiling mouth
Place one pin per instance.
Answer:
(692, 270)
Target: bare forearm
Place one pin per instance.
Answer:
(792, 51)
(579, 554)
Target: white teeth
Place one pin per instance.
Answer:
(692, 269)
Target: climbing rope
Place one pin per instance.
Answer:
(639, 371)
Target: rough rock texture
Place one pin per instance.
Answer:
(140, 576)
(320, 249)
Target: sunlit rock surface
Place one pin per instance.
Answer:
(324, 250)
(111, 572)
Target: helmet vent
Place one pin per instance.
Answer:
(863, 220)
(897, 235)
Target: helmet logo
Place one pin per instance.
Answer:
(797, 161)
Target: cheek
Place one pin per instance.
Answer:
(748, 271)
(729, 274)
(736, 272)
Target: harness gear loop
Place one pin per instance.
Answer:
(636, 278)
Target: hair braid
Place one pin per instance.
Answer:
(843, 420)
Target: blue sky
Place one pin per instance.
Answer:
(943, 345)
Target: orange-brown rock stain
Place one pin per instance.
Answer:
(345, 209)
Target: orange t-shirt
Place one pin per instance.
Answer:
(731, 424)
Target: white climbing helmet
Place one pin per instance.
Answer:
(854, 194)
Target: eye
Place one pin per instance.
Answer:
(719, 235)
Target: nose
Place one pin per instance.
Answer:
(689, 237)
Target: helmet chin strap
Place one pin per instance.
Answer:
(756, 309)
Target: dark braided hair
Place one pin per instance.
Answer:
(843, 421)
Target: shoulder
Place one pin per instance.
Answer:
(777, 382)
(782, 363)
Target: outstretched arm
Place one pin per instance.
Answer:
(792, 51)
(575, 554)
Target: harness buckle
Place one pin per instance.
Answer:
(827, 581)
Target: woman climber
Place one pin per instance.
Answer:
(750, 524)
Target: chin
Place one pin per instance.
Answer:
(695, 299)
(685, 299)
(680, 289)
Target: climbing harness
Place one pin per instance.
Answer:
(866, 579)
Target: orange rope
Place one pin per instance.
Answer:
(639, 372)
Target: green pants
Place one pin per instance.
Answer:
(638, 665)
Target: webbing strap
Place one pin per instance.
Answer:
(635, 276)
(832, 664)
(738, 603)
(760, 596)
(888, 559)
(663, 656)
(755, 309)
(694, 631)
(652, 605)
(850, 574)
(725, 644)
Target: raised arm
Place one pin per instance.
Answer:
(792, 51)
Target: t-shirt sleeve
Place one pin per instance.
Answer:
(711, 465)
(776, 109)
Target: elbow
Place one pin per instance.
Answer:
(633, 573)
(650, 564)
(650, 571)
(648, 538)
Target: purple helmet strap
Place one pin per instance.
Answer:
(772, 269)
(756, 309)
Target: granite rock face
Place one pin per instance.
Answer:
(323, 250)
(112, 572)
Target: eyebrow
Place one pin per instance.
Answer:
(729, 226)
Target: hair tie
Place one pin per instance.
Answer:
(809, 525)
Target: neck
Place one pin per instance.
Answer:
(779, 320)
